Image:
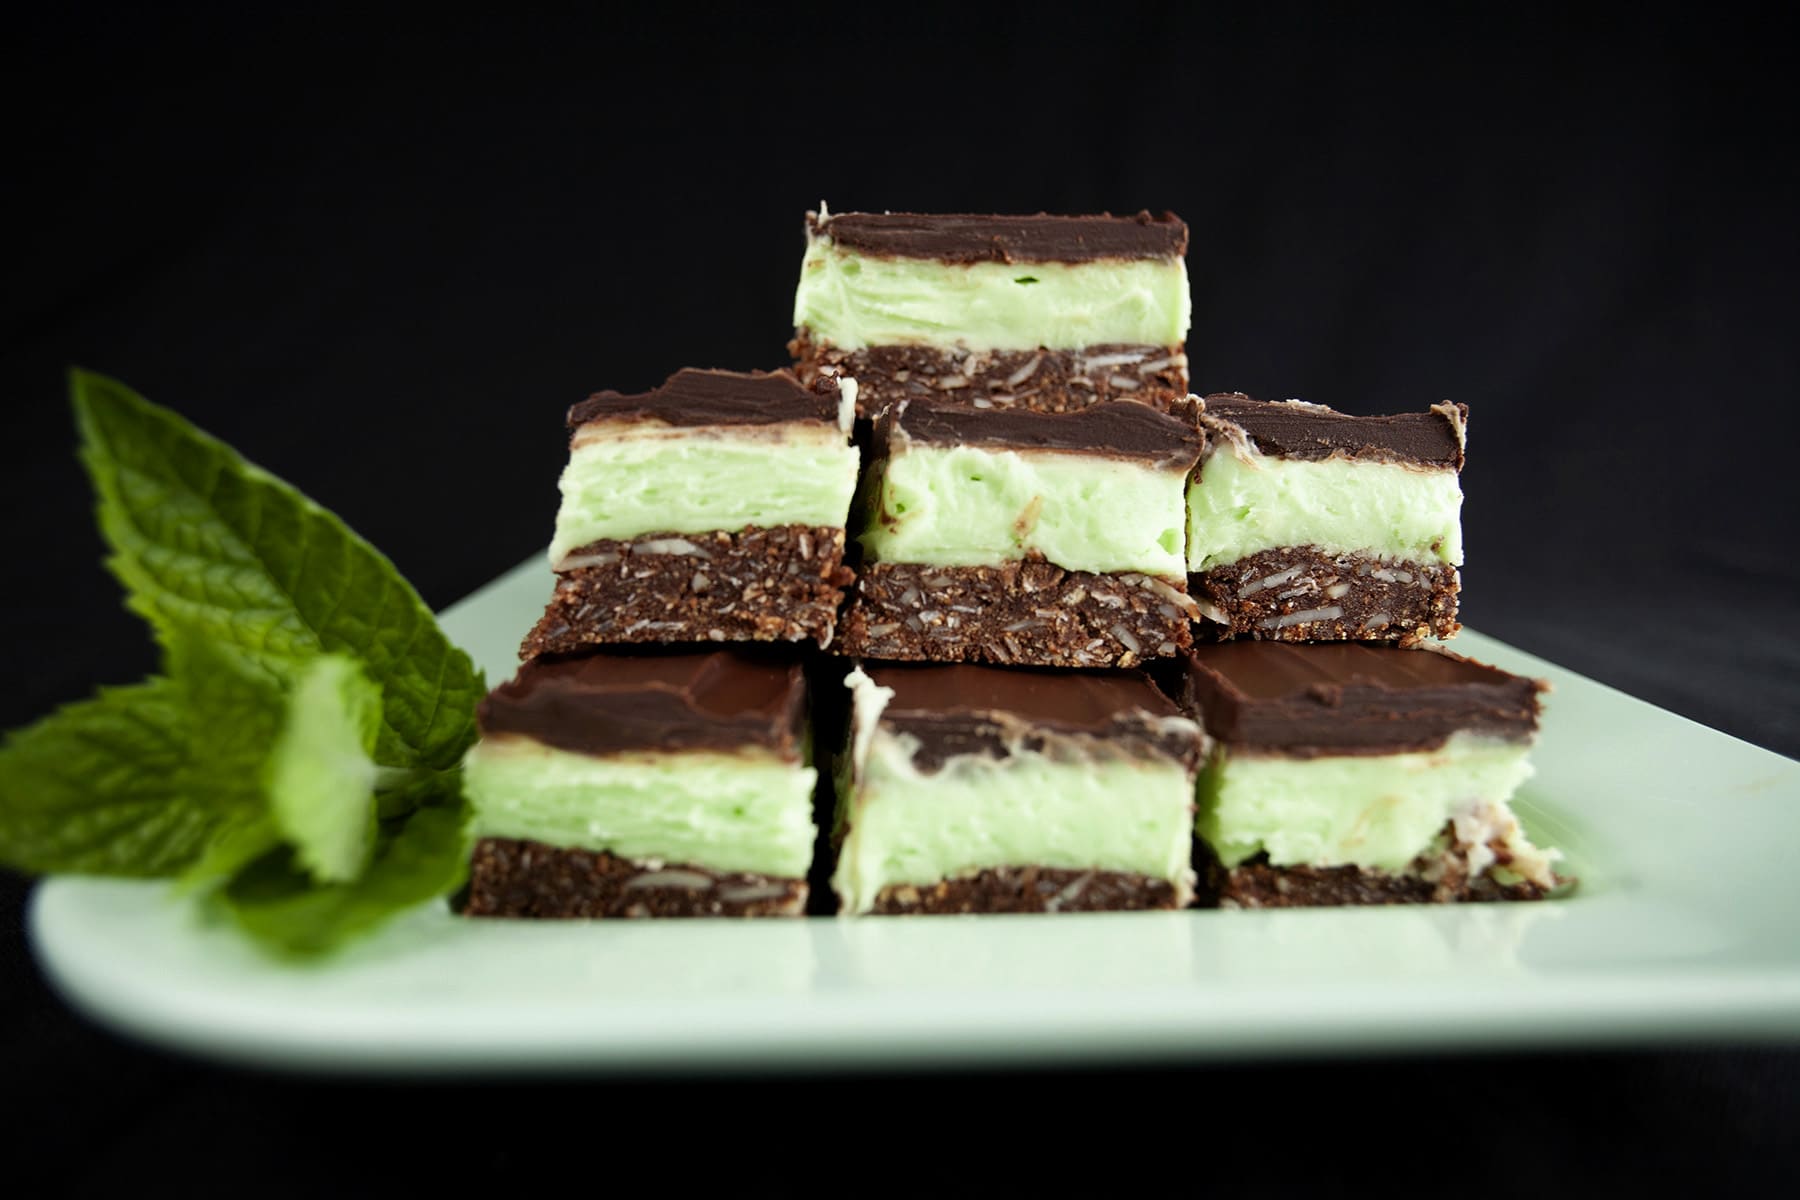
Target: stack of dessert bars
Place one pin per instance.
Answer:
(1352, 759)
(1045, 598)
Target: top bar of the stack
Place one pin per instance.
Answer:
(1049, 313)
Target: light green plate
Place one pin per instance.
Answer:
(1686, 927)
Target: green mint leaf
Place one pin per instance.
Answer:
(140, 780)
(235, 845)
(204, 540)
(100, 786)
(277, 902)
(320, 777)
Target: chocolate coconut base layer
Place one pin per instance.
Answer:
(1302, 594)
(1439, 878)
(780, 584)
(509, 877)
(1023, 613)
(1030, 890)
(1039, 380)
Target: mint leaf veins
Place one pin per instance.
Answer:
(301, 749)
(207, 541)
(139, 780)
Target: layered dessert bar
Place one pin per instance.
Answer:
(979, 789)
(1362, 774)
(1020, 537)
(634, 784)
(1040, 312)
(1308, 525)
(710, 509)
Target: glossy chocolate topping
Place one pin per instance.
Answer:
(1310, 431)
(608, 703)
(1346, 697)
(965, 709)
(695, 397)
(972, 237)
(1114, 428)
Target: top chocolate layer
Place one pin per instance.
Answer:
(695, 397)
(613, 702)
(1348, 698)
(1292, 429)
(970, 237)
(994, 711)
(1115, 428)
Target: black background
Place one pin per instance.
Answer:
(381, 256)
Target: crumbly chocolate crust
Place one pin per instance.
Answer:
(1037, 380)
(757, 585)
(512, 877)
(1031, 890)
(1441, 877)
(1025, 613)
(1321, 597)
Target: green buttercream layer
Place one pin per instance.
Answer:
(639, 482)
(852, 300)
(1375, 810)
(1023, 810)
(723, 812)
(964, 506)
(1239, 505)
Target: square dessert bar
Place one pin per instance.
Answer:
(1025, 538)
(633, 784)
(1041, 312)
(1307, 525)
(980, 789)
(710, 509)
(1347, 773)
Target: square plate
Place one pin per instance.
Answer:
(1686, 926)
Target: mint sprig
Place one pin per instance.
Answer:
(207, 542)
(300, 749)
(320, 777)
(127, 783)
(279, 903)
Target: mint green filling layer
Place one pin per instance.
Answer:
(1240, 505)
(720, 811)
(1378, 810)
(1024, 810)
(963, 506)
(852, 301)
(635, 482)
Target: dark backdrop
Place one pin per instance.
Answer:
(381, 256)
